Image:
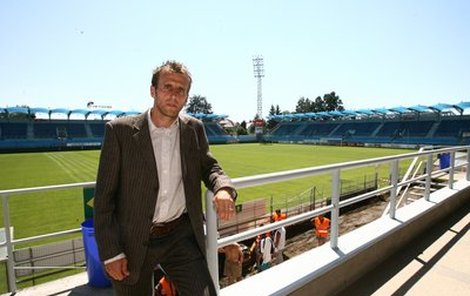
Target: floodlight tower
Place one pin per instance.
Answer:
(258, 68)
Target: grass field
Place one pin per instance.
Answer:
(39, 213)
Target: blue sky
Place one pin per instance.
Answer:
(373, 54)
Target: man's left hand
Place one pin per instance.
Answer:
(224, 204)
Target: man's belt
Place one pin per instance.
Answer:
(160, 229)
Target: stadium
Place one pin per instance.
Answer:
(43, 147)
(42, 129)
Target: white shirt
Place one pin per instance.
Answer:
(265, 249)
(281, 242)
(171, 201)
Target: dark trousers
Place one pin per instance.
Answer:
(181, 259)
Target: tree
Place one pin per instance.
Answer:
(243, 124)
(241, 129)
(329, 102)
(273, 111)
(332, 102)
(318, 105)
(198, 104)
(304, 105)
(251, 129)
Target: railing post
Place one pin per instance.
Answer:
(10, 261)
(468, 165)
(451, 170)
(211, 239)
(335, 210)
(393, 190)
(427, 190)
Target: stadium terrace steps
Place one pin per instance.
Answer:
(31, 135)
(400, 132)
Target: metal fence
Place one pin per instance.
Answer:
(333, 209)
(10, 243)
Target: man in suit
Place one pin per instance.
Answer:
(148, 207)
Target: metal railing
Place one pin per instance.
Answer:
(10, 242)
(335, 170)
(213, 243)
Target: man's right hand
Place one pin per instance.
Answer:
(117, 270)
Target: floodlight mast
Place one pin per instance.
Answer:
(258, 69)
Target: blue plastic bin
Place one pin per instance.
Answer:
(94, 267)
(444, 160)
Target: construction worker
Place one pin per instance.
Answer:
(322, 228)
(278, 216)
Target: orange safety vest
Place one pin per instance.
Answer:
(321, 227)
(167, 286)
(280, 217)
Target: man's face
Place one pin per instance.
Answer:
(171, 94)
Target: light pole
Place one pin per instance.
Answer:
(258, 69)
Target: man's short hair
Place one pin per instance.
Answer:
(171, 67)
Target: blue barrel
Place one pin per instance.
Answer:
(94, 267)
(444, 160)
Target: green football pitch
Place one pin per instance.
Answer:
(50, 211)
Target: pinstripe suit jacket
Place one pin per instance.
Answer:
(127, 186)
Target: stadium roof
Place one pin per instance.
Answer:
(203, 116)
(68, 112)
(420, 109)
(33, 111)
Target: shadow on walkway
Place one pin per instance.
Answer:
(376, 278)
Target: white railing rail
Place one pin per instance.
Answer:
(244, 182)
(335, 170)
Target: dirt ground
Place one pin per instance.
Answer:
(348, 221)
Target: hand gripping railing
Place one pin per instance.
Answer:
(335, 170)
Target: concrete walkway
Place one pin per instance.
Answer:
(437, 263)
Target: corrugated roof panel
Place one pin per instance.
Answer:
(419, 108)
(441, 107)
(17, 110)
(39, 110)
(399, 109)
(381, 111)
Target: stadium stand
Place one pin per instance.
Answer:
(321, 130)
(26, 129)
(13, 130)
(363, 129)
(97, 129)
(215, 133)
(39, 129)
(441, 124)
(60, 129)
(453, 128)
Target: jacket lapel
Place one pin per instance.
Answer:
(144, 142)
(186, 133)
